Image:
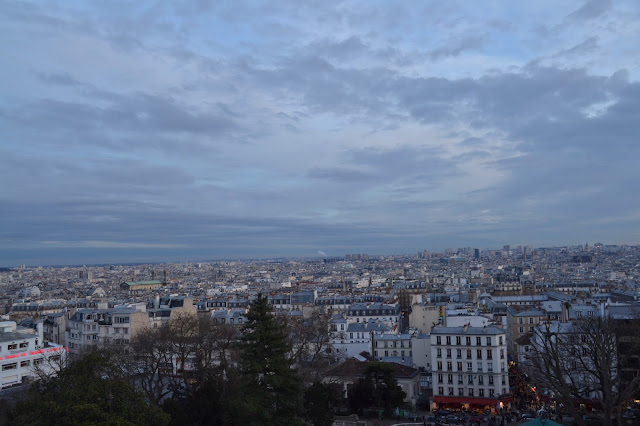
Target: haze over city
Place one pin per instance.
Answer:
(157, 131)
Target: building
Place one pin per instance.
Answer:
(23, 353)
(92, 327)
(469, 367)
(520, 323)
(424, 316)
(140, 286)
(388, 314)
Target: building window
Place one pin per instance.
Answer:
(458, 353)
(449, 365)
(460, 379)
(491, 393)
(481, 392)
(521, 330)
(11, 366)
(468, 340)
(458, 340)
(439, 364)
(25, 363)
(470, 391)
(440, 390)
(479, 354)
(12, 346)
(448, 340)
(24, 345)
(460, 392)
(469, 366)
(468, 353)
(450, 391)
(500, 340)
(490, 366)
(488, 340)
(489, 354)
(470, 379)
(490, 380)
(480, 366)
(459, 366)
(448, 353)
(449, 378)
(501, 353)
(481, 380)
(478, 341)
(440, 378)
(438, 340)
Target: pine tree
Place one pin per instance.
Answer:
(271, 387)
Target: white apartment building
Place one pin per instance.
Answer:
(100, 327)
(387, 314)
(469, 367)
(21, 353)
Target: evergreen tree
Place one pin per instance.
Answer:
(270, 386)
(378, 388)
(319, 400)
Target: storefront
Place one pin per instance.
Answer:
(469, 404)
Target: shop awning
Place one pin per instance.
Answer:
(464, 400)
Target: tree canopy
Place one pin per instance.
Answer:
(87, 392)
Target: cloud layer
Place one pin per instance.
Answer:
(141, 131)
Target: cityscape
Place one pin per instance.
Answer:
(296, 212)
(461, 328)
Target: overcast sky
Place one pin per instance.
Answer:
(155, 131)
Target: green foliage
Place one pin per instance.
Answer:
(319, 400)
(377, 389)
(86, 393)
(269, 384)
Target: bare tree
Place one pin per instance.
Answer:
(311, 342)
(148, 362)
(172, 357)
(586, 360)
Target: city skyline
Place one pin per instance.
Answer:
(154, 132)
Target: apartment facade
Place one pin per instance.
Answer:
(22, 353)
(469, 367)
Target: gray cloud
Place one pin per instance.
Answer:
(457, 47)
(229, 129)
(591, 9)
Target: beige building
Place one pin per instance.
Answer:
(521, 322)
(423, 316)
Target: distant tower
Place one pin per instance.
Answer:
(154, 275)
(166, 276)
(476, 254)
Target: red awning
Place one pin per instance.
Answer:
(464, 400)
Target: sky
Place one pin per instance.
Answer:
(134, 131)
